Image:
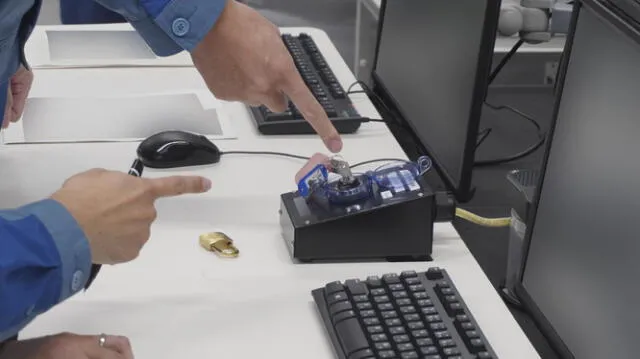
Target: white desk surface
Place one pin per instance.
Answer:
(177, 300)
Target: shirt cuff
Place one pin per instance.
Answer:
(70, 240)
(187, 22)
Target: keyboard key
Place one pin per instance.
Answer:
(408, 274)
(476, 345)
(433, 318)
(434, 273)
(412, 280)
(400, 294)
(445, 343)
(367, 313)
(455, 309)
(362, 354)
(397, 330)
(411, 317)
(417, 288)
(381, 299)
(339, 307)
(442, 335)
(424, 342)
(451, 351)
(383, 346)
(333, 287)
(437, 327)
(351, 336)
(379, 337)
(396, 287)
(371, 321)
(421, 333)
(376, 329)
(387, 354)
(416, 325)
(391, 278)
(472, 334)
(378, 291)
(389, 314)
(336, 297)
(385, 306)
(356, 287)
(364, 305)
(405, 347)
(420, 295)
(484, 355)
(429, 310)
(399, 339)
(374, 281)
(393, 322)
(429, 350)
(360, 298)
(403, 302)
(408, 309)
(409, 355)
(343, 315)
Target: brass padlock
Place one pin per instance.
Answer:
(220, 244)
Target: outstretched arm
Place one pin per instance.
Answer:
(169, 26)
(44, 259)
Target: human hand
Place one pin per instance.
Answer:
(115, 210)
(17, 93)
(243, 58)
(69, 346)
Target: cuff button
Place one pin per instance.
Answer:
(76, 281)
(180, 26)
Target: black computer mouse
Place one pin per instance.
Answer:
(173, 149)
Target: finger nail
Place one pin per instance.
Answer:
(335, 145)
(206, 184)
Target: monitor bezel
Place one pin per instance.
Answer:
(622, 23)
(461, 189)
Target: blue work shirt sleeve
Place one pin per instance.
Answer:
(44, 259)
(169, 26)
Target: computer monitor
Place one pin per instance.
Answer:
(431, 70)
(581, 266)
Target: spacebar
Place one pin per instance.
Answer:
(351, 336)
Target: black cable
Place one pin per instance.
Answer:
(379, 160)
(504, 60)
(483, 136)
(265, 153)
(517, 156)
(283, 154)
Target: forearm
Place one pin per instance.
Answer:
(44, 259)
(169, 26)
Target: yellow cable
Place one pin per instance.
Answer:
(482, 221)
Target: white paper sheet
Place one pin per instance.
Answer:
(118, 119)
(110, 45)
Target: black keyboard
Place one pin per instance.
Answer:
(323, 84)
(406, 316)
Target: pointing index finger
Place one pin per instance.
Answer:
(178, 185)
(298, 92)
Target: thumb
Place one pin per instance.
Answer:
(178, 185)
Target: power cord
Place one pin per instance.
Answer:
(482, 221)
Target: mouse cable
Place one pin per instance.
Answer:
(267, 153)
(482, 221)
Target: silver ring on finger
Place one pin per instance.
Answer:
(102, 340)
